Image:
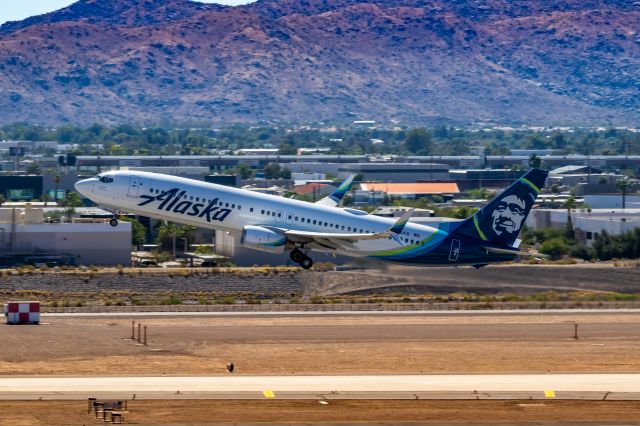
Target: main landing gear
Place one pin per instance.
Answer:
(301, 258)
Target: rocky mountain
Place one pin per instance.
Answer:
(411, 61)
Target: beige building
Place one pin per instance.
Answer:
(25, 237)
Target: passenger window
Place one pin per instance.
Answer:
(279, 214)
(296, 218)
(251, 210)
(233, 206)
(239, 207)
(349, 229)
(262, 212)
(314, 221)
(308, 220)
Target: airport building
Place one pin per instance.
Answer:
(221, 163)
(587, 223)
(21, 187)
(411, 191)
(26, 238)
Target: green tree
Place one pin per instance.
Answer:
(56, 181)
(70, 202)
(285, 173)
(167, 235)
(535, 161)
(169, 232)
(570, 204)
(245, 171)
(72, 199)
(286, 149)
(33, 169)
(418, 141)
(138, 231)
(555, 247)
(272, 171)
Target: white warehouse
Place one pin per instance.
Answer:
(23, 233)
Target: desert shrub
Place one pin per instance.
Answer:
(555, 247)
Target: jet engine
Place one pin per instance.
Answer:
(264, 239)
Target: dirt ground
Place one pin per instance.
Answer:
(462, 343)
(196, 412)
(459, 343)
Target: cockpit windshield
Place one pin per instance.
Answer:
(104, 179)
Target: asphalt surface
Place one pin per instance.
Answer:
(477, 386)
(487, 312)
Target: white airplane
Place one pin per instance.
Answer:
(275, 224)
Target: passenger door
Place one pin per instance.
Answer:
(134, 186)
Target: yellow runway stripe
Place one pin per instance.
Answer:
(268, 394)
(549, 394)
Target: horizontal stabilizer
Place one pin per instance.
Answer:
(497, 250)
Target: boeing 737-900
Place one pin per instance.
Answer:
(275, 224)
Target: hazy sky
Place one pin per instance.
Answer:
(16, 10)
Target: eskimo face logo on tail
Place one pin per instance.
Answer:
(508, 215)
(170, 201)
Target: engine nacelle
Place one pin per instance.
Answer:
(264, 239)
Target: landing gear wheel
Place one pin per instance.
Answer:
(113, 222)
(296, 255)
(306, 263)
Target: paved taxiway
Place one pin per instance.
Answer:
(474, 386)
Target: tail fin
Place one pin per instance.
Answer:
(501, 219)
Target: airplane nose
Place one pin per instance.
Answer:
(83, 186)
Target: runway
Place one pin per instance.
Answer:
(487, 312)
(470, 386)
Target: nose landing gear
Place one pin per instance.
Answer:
(114, 221)
(301, 258)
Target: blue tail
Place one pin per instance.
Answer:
(501, 220)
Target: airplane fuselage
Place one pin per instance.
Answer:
(230, 209)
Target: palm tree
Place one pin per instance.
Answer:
(56, 180)
(623, 184)
(569, 205)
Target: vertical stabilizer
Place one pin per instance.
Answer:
(501, 220)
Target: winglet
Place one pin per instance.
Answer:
(336, 196)
(398, 227)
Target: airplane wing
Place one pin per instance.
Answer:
(344, 240)
(336, 197)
